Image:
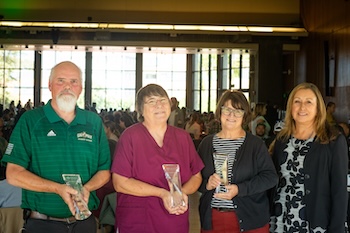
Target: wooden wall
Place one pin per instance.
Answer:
(328, 23)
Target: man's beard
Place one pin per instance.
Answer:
(66, 102)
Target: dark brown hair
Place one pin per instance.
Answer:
(146, 91)
(238, 101)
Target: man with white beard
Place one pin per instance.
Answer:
(56, 140)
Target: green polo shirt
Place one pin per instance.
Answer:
(47, 146)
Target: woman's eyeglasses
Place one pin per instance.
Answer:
(236, 112)
(154, 102)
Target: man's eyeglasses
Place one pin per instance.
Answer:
(236, 112)
(154, 102)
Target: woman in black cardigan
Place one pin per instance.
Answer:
(242, 205)
(312, 163)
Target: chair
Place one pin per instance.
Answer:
(107, 214)
(11, 220)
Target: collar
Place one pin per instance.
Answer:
(53, 117)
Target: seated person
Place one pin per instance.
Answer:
(276, 129)
(10, 196)
(260, 131)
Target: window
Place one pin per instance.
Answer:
(205, 82)
(236, 71)
(167, 70)
(113, 80)
(16, 76)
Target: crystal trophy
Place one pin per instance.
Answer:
(172, 174)
(221, 166)
(81, 209)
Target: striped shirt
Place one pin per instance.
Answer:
(229, 147)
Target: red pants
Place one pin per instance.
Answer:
(227, 222)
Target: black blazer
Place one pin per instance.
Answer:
(326, 196)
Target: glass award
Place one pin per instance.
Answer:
(172, 175)
(81, 209)
(221, 167)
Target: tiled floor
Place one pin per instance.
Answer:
(194, 215)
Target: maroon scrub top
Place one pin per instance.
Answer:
(138, 156)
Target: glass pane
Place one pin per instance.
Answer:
(98, 96)
(81, 100)
(204, 101)
(164, 62)
(245, 60)
(164, 80)
(149, 77)
(212, 101)
(245, 78)
(27, 78)
(226, 79)
(128, 80)
(235, 60)
(179, 62)
(98, 61)
(179, 80)
(196, 100)
(11, 94)
(235, 80)
(113, 62)
(128, 100)
(13, 80)
(12, 59)
(78, 57)
(113, 79)
(205, 80)
(45, 94)
(98, 79)
(45, 74)
(205, 62)
(27, 59)
(2, 58)
(26, 94)
(213, 80)
(129, 61)
(149, 62)
(213, 60)
(48, 59)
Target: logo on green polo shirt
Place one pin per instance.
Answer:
(9, 149)
(83, 136)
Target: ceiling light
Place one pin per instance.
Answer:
(170, 27)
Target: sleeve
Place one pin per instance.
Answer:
(265, 177)
(196, 162)
(122, 162)
(205, 153)
(104, 152)
(338, 176)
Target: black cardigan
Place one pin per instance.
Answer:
(253, 172)
(326, 196)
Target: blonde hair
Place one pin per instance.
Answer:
(259, 109)
(320, 125)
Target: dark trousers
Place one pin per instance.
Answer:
(48, 226)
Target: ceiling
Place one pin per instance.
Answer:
(219, 12)
(281, 13)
